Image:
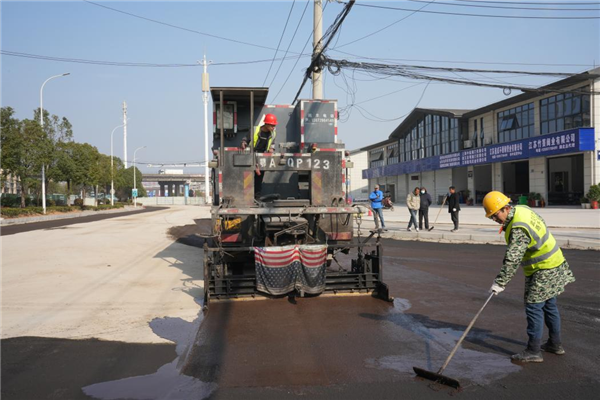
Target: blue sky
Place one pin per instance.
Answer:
(165, 104)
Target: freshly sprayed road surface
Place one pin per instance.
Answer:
(154, 343)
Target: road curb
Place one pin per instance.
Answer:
(462, 238)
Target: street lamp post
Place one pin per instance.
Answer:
(42, 124)
(134, 181)
(112, 177)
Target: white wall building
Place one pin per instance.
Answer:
(544, 141)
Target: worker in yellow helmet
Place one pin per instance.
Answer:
(264, 135)
(531, 245)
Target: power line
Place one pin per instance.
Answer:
(327, 38)
(462, 62)
(335, 66)
(524, 2)
(509, 7)
(385, 27)
(179, 27)
(128, 64)
(280, 39)
(302, 52)
(291, 41)
(474, 15)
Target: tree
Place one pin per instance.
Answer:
(25, 148)
(126, 183)
(85, 165)
(59, 131)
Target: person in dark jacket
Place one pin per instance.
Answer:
(424, 208)
(453, 207)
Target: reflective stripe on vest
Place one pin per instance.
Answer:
(543, 252)
(257, 134)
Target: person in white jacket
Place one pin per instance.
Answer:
(413, 201)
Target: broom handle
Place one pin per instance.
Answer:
(464, 335)
(438, 214)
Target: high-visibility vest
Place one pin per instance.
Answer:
(257, 135)
(543, 252)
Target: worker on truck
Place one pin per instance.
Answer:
(264, 135)
(531, 245)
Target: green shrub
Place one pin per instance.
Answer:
(10, 200)
(594, 193)
(50, 203)
(78, 203)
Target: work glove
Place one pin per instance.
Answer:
(496, 289)
(454, 210)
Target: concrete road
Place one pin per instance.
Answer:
(110, 310)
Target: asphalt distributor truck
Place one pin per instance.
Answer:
(283, 240)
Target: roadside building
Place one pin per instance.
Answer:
(358, 187)
(542, 141)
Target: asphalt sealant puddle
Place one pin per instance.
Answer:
(167, 382)
(434, 346)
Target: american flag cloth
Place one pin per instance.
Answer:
(281, 269)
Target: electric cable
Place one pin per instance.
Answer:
(509, 7)
(385, 27)
(179, 27)
(291, 41)
(131, 64)
(280, 39)
(298, 58)
(476, 15)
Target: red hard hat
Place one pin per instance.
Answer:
(270, 119)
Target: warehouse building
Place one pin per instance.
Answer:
(544, 141)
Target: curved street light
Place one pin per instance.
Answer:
(42, 124)
(134, 181)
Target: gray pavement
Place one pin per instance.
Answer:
(573, 227)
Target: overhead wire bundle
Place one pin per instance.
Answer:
(416, 72)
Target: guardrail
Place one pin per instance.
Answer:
(171, 200)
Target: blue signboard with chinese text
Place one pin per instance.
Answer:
(570, 141)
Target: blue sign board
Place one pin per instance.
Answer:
(571, 141)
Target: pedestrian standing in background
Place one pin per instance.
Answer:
(453, 207)
(413, 201)
(424, 208)
(532, 246)
(376, 197)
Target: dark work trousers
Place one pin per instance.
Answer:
(258, 179)
(424, 214)
(537, 314)
(454, 216)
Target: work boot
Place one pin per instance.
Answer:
(528, 356)
(550, 347)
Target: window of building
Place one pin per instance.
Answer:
(392, 154)
(454, 136)
(564, 111)
(516, 123)
(401, 151)
(377, 158)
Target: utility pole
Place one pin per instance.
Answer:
(125, 134)
(205, 90)
(317, 47)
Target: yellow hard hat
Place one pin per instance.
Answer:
(494, 201)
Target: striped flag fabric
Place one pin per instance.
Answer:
(282, 269)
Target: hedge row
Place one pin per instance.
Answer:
(10, 212)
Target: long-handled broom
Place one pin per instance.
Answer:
(438, 377)
(438, 214)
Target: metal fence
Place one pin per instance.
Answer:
(172, 201)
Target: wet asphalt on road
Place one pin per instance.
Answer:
(354, 347)
(361, 347)
(58, 223)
